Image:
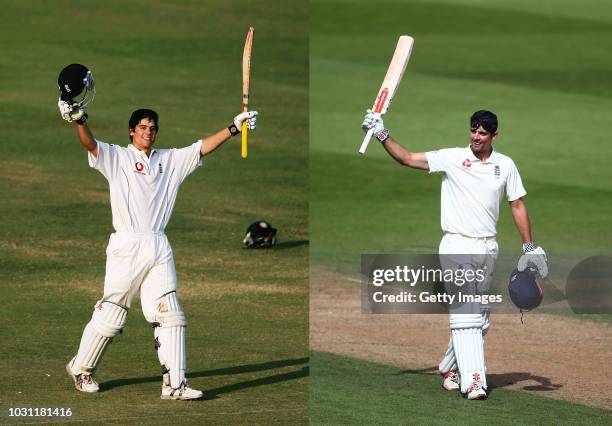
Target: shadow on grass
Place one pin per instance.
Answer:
(290, 244)
(496, 381)
(507, 379)
(433, 369)
(239, 369)
(276, 378)
(283, 245)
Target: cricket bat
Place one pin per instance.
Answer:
(390, 83)
(246, 77)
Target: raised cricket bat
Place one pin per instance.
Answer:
(390, 83)
(246, 77)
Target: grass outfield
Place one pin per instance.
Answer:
(541, 69)
(348, 391)
(247, 310)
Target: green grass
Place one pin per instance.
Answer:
(541, 70)
(468, 55)
(247, 310)
(349, 391)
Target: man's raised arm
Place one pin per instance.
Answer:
(87, 138)
(79, 118)
(415, 160)
(212, 142)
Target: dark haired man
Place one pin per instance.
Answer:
(143, 183)
(475, 180)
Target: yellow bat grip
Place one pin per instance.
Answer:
(245, 137)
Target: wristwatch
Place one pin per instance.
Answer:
(233, 129)
(383, 135)
(83, 119)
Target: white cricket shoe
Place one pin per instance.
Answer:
(476, 391)
(82, 382)
(451, 381)
(183, 392)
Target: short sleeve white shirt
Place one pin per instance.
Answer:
(143, 189)
(472, 190)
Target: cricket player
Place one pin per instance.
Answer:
(475, 180)
(144, 184)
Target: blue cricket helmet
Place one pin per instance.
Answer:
(526, 289)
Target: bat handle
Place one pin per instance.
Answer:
(366, 141)
(245, 138)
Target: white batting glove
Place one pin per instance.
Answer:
(65, 109)
(370, 121)
(249, 116)
(536, 256)
(68, 112)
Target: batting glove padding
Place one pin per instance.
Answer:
(68, 112)
(536, 256)
(65, 109)
(372, 120)
(249, 116)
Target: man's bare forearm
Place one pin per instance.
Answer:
(87, 138)
(521, 219)
(214, 141)
(415, 160)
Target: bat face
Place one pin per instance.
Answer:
(246, 69)
(246, 78)
(394, 75)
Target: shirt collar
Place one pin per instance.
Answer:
(492, 158)
(139, 152)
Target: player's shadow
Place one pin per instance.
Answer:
(496, 381)
(418, 371)
(239, 369)
(290, 244)
(508, 379)
(276, 378)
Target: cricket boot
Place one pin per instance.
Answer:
(451, 381)
(82, 382)
(184, 392)
(476, 391)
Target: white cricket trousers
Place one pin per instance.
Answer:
(139, 262)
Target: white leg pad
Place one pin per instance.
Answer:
(106, 322)
(466, 330)
(486, 320)
(170, 339)
(449, 362)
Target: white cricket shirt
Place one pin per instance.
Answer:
(472, 190)
(143, 189)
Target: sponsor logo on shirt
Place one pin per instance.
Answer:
(139, 166)
(497, 172)
(467, 163)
